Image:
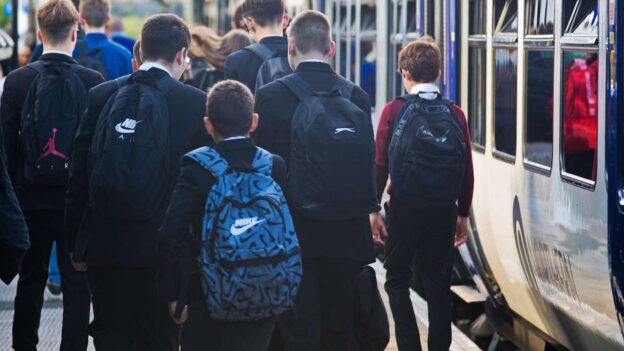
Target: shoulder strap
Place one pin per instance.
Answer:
(297, 85)
(345, 87)
(260, 50)
(210, 159)
(263, 162)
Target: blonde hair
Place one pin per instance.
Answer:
(56, 20)
(209, 47)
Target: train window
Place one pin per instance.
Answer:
(540, 17)
(505, 94)
(580, 111)
(476, 95)
(506, 12)
(539, 107)
(581, 17)
(477, 17)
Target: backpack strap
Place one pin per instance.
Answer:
(297, 86)
(344, 86)
(210, 159)
(260, 50)
(263, 162)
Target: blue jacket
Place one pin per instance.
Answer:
(116, 58)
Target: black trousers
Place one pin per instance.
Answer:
(127, 313)
(44, 228)
(200, 332)
(428, 237)
(323, 318)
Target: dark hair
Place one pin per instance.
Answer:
(264, 12)
(230, 108)
(56, 20)
(163, 36)
(422, 60)
(237, 18)
(311, 31)
(136, 51)
(95, 12)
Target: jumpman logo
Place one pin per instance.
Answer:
(50, 148)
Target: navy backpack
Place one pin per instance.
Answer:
(274, 64)
(250, 262)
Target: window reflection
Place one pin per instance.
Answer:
(540, 17)
(581, 16)
(476, 95)
(505, 87)
(539, 107)
(506, 16)
(477, 17)
(580, 111)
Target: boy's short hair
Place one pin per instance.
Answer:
(264, 12)
(95, 12)
(162, 37)
(237, 18)
(230, 107)
(136, 51)
(421, 58)
(56, 20)
(311, 31)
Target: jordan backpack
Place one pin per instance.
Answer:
(50, 116)
(249, 258)
(427, 153)
(274, 64)
(129, 167)
(332, 159)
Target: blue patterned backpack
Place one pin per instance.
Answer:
(250, 262)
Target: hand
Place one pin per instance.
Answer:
(78, 266)
(461, 231)
(173, 305)
(378, 228)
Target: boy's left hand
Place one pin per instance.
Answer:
(461, 231)
(172, 309)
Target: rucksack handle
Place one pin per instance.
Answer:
(260, 50)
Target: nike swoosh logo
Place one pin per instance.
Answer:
(340, 130)
(234, 230)
(123, 130)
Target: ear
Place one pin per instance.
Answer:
(39, 36)
(209, 127)
(108, 19)
(250, 24)
(439, 75)
(254, 123)
(179, 59)
(74, 35)
(285, 21)
(82, 21)
(291, 46)
(332, 49)
(135, 66)
(406, 75)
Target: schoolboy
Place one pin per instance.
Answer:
(42, 201)
(425, 233)
(333, 251)
(230, 119)
(266, 21)
(115, 60)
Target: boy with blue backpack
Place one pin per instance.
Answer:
(228, 247)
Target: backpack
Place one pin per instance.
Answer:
(372, 328)
(206, 78)
(50, 116)
(129, 157)
(427, 153)
(274, 64)
(332, 159)
(250, 262)
(91, 58)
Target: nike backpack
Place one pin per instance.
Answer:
(91, 58)
(427, 153)
(250, 262)
(129, 164)
(274, 64)
(50, 116)
(332, 159)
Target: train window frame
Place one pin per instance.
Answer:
(567, 177)
(480, 44)
(504, 37)
(498, 154)
(568, 38)
(538, 39)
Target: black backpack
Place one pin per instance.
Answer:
(372, 329)
(274, 64)
(129, 157)
(91, 58)
(427, 153)
(332, 160)
(51, 113)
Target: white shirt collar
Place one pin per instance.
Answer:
(314, 60)
(55, 52)
(429, 91)
(149, 65)
(235, 138)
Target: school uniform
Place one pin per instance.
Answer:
(243, 65)
(43, 211)
(179, 278)
(116, 59)
(333, 252)
(121, 255)
(424, 234)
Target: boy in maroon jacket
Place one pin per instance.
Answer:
(428, 234)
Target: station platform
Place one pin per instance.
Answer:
(51, 320)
